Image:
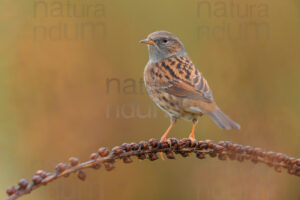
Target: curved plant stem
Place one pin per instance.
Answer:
(223, 150)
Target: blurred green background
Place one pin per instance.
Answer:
(70, 80)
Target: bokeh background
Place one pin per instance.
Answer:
(71, 81)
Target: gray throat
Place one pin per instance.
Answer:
(155, 55)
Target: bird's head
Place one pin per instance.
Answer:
(162, 45)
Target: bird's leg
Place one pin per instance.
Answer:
(164, 137)
(192, 134)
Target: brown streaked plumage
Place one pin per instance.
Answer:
(176, 85)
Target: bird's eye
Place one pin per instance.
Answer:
(164, 41)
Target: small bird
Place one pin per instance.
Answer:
(176, 86)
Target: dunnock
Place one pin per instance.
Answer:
(176, 86)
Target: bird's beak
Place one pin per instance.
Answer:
(147, 41)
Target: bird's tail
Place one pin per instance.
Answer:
(222, 120)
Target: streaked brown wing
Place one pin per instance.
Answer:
(183, 80)
(184, 90)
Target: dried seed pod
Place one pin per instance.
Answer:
(222, 156)
(60, 167)
(185, 139)
(126, 147)
(219, 148)
(188, 142)
(242, 149)
(164, 144)
(228, 145)
(81, 175)
(170, 155)
(152, 156)
(109, 166)
(117, 150)
(285, 158)
(233, 147)
(263, 154)
(172, 141)
(48, 174)
(41, 173)
(249, 149)
(143, 145)
(97, 166)
(184, 154)
(200, 142)
(180, 143)
(134, 146)
(11, 190)
(141, 156)
(279, 157)
(103, 151)
(93, 156)
(210, 143)
(221, 143)
(153, 142)
(23, 183)
(258, 151)
(36, 179)
(194, 143)
(239, 149)
(127, 160)
(271, 155)
(212, 146)
(75, 161)
(203, 146)
(293, 160)
(212, 154)
(296, 167)
(200, 155)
